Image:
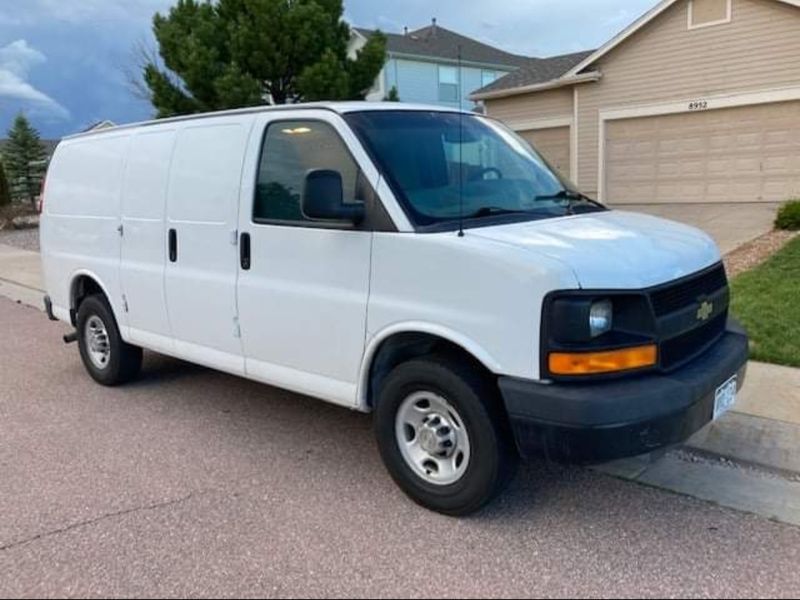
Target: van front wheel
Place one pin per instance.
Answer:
(107, 358)
(443, 436)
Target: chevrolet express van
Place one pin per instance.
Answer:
(424, 265)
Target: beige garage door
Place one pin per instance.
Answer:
(749, 154)
(553, 144)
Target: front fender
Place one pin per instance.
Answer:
(454, 337)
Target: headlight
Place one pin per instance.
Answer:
(601, 318)
(587, 333)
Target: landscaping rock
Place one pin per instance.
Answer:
(756, 252)
(31, 222)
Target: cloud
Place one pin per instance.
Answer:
(622, 18)
(82, 11)
(16, 61)
(9, 20)
(532, 27)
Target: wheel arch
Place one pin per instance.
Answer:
(399, 343)
(84, 283)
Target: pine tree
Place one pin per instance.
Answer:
(5, 193)
(225, 54)
(25, 160)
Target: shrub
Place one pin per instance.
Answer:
(789, 216)
(393, 95)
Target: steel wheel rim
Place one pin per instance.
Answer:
(98, 345)
(432, 438)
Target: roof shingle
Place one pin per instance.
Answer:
(435, 41)
(537, 70)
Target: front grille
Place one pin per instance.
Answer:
(672, 298)
(681, 349)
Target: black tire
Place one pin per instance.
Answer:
(124, 362)
(475, 397)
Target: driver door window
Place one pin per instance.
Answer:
(291, 149)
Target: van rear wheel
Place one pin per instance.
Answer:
(107, 358)
(443, 435)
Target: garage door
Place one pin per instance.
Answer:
(749, 154)
(553, 144)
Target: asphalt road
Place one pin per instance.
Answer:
(194, 483)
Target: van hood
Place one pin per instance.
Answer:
(614, 249)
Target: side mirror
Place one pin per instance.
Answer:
(323, 199)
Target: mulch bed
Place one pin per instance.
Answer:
(756, 252)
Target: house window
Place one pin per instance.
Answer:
(448, 84)
(705, 13)
(488, 77)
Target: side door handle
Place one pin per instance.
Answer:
(244, 252)
(173, 245)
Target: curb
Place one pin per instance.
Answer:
(762, 443)
(722, 483)
(22, 294)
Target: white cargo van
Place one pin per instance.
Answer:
(422, 264)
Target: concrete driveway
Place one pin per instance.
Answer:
(731, 225)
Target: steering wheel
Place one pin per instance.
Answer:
(481, 175)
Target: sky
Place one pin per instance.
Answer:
(69, 63)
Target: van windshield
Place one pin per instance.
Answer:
(442, 165)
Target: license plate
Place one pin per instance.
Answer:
(725, 397)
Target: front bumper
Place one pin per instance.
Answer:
(589, 423)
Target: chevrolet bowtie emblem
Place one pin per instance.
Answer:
(705, 311)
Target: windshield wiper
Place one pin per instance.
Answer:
(490, 211)
(572, 197)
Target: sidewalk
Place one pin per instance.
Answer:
(21, 276)
(764, 427)
(748, 460)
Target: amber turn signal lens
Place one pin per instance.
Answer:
(594, 363)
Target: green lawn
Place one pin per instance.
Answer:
(767, 301)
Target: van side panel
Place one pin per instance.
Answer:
(144, 243)
(82, 215)
(482, 295)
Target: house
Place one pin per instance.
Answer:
(698, 101)
(423, 65)
(100, 126)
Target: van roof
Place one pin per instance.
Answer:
(337, 107)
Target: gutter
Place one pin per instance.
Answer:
(508, 68)
(538, 87)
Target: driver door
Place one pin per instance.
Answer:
(302, 293)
